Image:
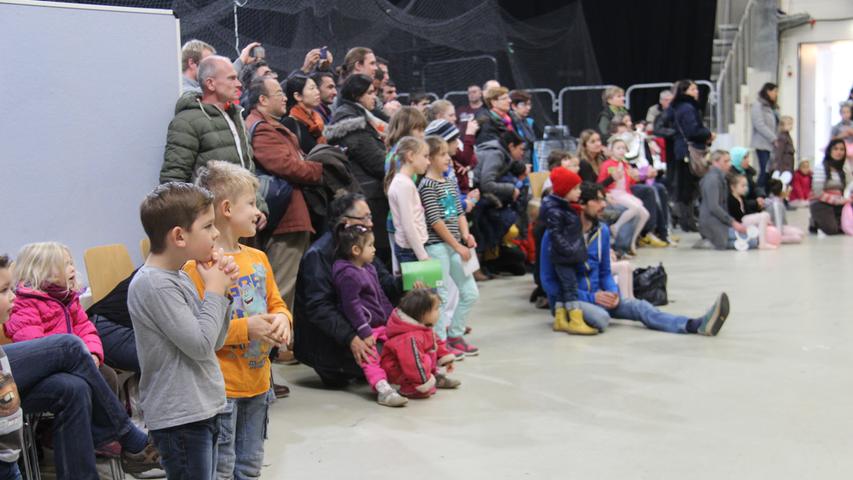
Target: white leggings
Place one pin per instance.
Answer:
(760, 220)
(634, 207)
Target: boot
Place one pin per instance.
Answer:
(561, 320)
(577, 326)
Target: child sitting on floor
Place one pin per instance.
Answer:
(363, 302)
(775, 206)
(413, 357)
(801, 185)
(48, 302)
(741, 211)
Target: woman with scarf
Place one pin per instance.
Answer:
(496, 121)
(741, 164)
(303, 97)
(828, 185)
(361, 134)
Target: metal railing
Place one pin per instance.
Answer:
(733, 71)
(561, 105)
(713, 96)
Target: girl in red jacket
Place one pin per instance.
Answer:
(413, 353)
(48, 303)
(617, 176)
(801, 185)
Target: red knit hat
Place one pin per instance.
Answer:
(563, 181)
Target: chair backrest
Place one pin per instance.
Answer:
(537, 181)
(106, 265)
(145, 248)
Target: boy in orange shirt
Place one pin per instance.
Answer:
(261, 320)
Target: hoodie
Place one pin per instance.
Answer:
(493, 162)
(412, 354)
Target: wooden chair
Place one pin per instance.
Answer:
(107, 265)
(537, 181)
(145, 248)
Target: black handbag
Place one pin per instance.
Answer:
(650, 285)
(275, 190)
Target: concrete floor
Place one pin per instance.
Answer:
(768, 398)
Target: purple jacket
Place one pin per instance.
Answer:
(362, 299)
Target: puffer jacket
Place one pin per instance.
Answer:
(687, 119)
(351, 130)
(37, 314)
(198, 134)
(564, 225)
(492, 163)
(765, 122)
(412, 354)
(594, 275)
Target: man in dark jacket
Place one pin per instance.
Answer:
(323, 337)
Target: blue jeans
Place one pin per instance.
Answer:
(188, 452)
(404, 254)
(622, 241)
(9, 471)
(568, 278)
(242, 430)
(451, 268)
(56, 374)
(119, 344)
(637, 310)
(763, 160)
(753, 243)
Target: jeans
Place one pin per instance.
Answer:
(188, 452)
(733, 235)
(647, 195)
(56, 374)
(451, 268)
(763, 160)
(568, 279)
(622, 241)
(119, 344)
(662, 221)
(242, 430)
(404, 254)
(9, 471)
(631, 309)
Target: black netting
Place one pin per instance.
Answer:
(433, 45)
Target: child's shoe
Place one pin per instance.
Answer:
(577, 325)
(460, 344)
(459, 354)
(561, 320)
(387, 396)
(443, 381)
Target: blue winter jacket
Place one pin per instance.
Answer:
(567, 245)
(593, 276)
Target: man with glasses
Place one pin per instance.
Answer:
(277, 152)
(323, 337)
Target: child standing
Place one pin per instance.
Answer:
(801, 185)
(560, 158)
(181, 386)
(775, 206)
(783, 147)
(48, 302)
(739, 209)
(449, 241)
(408, 159)
(259, 320)
(561, 214)
(619, 190)
(413, 354)
(363, 302)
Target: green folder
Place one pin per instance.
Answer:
(428, 272)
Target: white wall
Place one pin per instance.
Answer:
(89, 94)
(790, 77)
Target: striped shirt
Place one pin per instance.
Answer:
(441, 203)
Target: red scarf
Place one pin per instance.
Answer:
(311, 119)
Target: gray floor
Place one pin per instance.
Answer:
(768, 398)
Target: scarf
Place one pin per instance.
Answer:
(505, 119)
(311, 119)
(63, 294)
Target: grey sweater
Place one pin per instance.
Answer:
(177, 336)
(714, 218)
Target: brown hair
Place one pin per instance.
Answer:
(555, 158)
(585, 137)
(519, 96)
(609, 93)
(192, 50)
(418, 302)
(353, 56)
(403, 123)
(397, 156)
(436, 144)
(171, 205)
(226, 180)
(5, 261)
(349, 236)
(493, 94)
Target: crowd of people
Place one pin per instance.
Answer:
(290, 208)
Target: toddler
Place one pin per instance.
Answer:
(801, 185)
(775, 206)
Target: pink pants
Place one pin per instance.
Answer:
(372, 371)
(791, 234)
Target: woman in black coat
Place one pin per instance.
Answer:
(356, 129)
(689, 129)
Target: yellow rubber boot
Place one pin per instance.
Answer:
(577, 326)
(561, 320)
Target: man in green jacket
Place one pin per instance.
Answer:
(208, 127)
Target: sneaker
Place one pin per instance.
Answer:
(459, 354)
(714, 319)
(286, 357)
(146, 460)
(390, 398)
(281, 391)
(651, 240)
(443, 381)
(459, 343)
(542, 302)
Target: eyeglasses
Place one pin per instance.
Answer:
(362, 218)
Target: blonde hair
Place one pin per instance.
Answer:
(596, 162)
(405, 147)
(226, 180)
(436, 145)
(193, 50)
(493, 94)
(436, 108)
(614, 140)
(609, 93)
(718, 155)
(38, 262)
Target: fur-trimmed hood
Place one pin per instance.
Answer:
(342, 128)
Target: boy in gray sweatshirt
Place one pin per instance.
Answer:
(181, 386)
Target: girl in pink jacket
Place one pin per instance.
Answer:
(48, 303)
